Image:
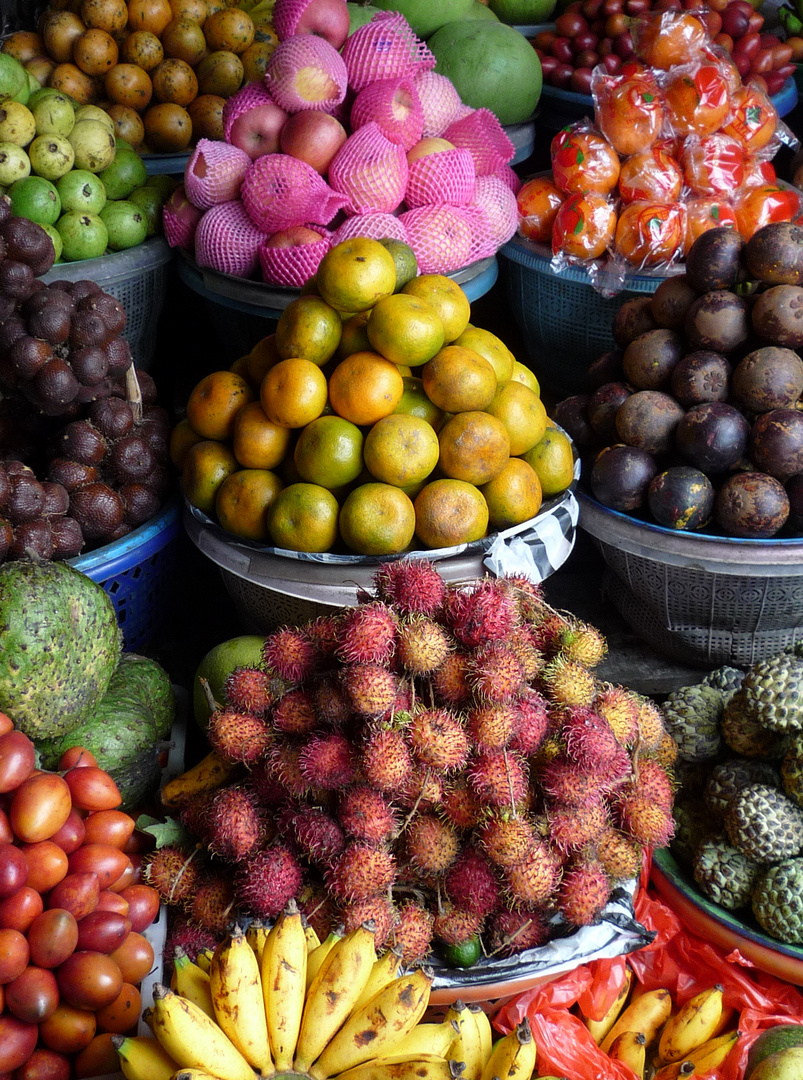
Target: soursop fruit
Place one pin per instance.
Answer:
(726, 680)
(143, 680)
(724, 874)
(692, 715)
(59, 644)
(778, 901)
(773, 690)
(764, 824)
(727, 778)
(744, 734)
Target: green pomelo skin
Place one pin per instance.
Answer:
(424, 16)
(219, 662)
(783, 1065)
(523, 12)
(779, 1037)
(359, 15)
(479, 10)
(491, 65)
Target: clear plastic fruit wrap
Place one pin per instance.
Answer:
(668, 39)
(696, 97)
(753, 121)
(706, 212)
(538, 202)
(628, 107)
(652, 174)
(583, 228)
(758, 206)
(583, 160)
(651, 235)
(758, 171)
(713, 165)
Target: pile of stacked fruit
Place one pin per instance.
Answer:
(324, 437)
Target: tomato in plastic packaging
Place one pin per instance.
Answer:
(584, 226)
(583, 161)
(629, 108)
(651, 234)
(653, 174)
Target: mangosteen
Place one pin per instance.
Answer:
(57, 499)
(776, 443)
(751, 505)
(794, 492)
(717, 320)
(650, 358)
(713, 436)
(113, 417)
(602, 408)
(572, 415)
(606, 368)
(681, 498)
(72, 474)
(714, 261)
(671, 300)
(620, 477)
(774, 254)
(768, 378)
(701, 376)
(32, 539)
(55, 384)
(777, 315)
(68, 537)
(98, 509)
(25, 499)
(634, 317)
(141, 503)
(648, 419)
(28, 355)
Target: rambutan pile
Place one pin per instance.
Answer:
(440, 759)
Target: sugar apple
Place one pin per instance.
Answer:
(726, 680)
(792, 771)
(744, 734)
(778, 901)
(723, 873)
(692, 715)
(764, 824)
(773, 690)
(692, 823)
(727, 778)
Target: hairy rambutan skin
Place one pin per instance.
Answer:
(455, 926)
(651, 727)
(386, 761)
(235, 824)
(265, 882)
(490, 727)
(528, 656)
(495, 673)
(588, 738)
(532, 723)
(514, 931)
(459, 805)
(266, 784)
(412, 586)
(423, 790)
(567, 682)
(583, 893)
(564, 781)
(583, 643)
(285, 764)
(620, 856)
(330, 702)
(572, 827)
(413, 932)
(651, 825)
(189, 937)
(546, 631)
(378, 909)
(192, 814)
(366, 814)
(324, 633)
(239, 737)
(665, 753)
(507, 840)
(368, 634)
(620, 708)
(472, 883)
(437, 739)
(250, 689)
(295, 713)
(650, 782)
(212, 904)
(422, 645)
(527, 594)
(482, 614)
(173, 872)
(370, 688)
(319, 838)
(533, 881)
(449, 680)
(328, 761)
(499, 779)
(362, 871)
(431, 844)
(291, 654)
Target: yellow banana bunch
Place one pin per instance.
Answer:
(598, 1029)
(284, 982)
(313, 941)
(702, 1060)
(483, 1022)
(333, 992)
(211, 773)
(193, 1040)
(237, 998)
(631, 1049)
(648, 1014)
(373, 1030)
(316, 956)
(694, 1023)
(513, 1056)
(428, 1039)
(143, 1058)
(407, 1067)
(192, 982)
(468, 1046)
(193, 1074)
(387, 968)
(204, 958)
(256, 935)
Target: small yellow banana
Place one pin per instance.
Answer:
(428, 1039)
(406, 1067)
(193, 1074)
(385, 969)
(143, 1058)
(313, 941)
(693, 1024)
(317, 956)
(192, 982)
(631, 1049)
(193, 1040)
(468, 1046)
(211, 773)
(284, 982)
(238, 1001)
(598, 1029)
(333, 991)
(204, 958)
(483, 1022)
(702, 1060)
(648, 1013)
(374, 1030)
(513, 1056)
(256, 935)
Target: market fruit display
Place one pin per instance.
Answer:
(439, 759)
(370, 139)
(319, 440)
(73, 913)
(692, 423)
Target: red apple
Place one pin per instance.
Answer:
(293, 236)
(431, 145)
(328, 19)
(314, 137)
(257, 130)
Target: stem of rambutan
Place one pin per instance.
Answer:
(411, 815)
(514, 811)
(508, 940)
(215, 706)
(180, 874)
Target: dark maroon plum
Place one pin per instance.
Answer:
(712, 436)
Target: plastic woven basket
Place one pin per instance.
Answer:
(705, 600)
(137, 573)
(137, 278)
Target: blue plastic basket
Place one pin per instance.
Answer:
(137, 572)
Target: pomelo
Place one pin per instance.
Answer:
(359, 15)
(478, 10)
(523, 12)
(491, 65)
(424, 16)
(771, 1041)
(219, 662)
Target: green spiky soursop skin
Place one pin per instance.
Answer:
(778, 900)
(692, 715)
(723, 873)
(59, 644)
(764, 825)
(744, 734)
(773, 690)
(146, 681)
(727, 778)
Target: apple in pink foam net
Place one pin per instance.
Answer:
(257, 130)
(328, 19)
(293, 236)
(314, 137)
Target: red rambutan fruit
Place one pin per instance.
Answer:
(286, 768)
(528, 594)
(583, 893)
(422, 645)
(431, 844)
(266, 784)
(291, 654)
(367, 634)
(491, 726)
(317, 835)
(437, 739)
(328, 761)
(422, 790)
(583, 643)
(250, 690)
(192, 814)
(567, 682)
(449, 680)
(239, 737)
(265, 882)
(173, 872)
(385, 760)
(495, 673)
(410, 586)
(564, 781)
(187, 936)
(294, 713)
(413, 932)
(650, 824)
(212, 904)
(330, 703)
(481, 614)
(499, 779)
(455, 926)
(235, 823)
(588, 738)
(318, 908)
(459, 805)
(620, 856)
(370, 688)
(533, 881)
(366, 814)
(650, 724)
(546, 630)
(521, 645)
(378, 909)
(363, 870)
(620, 708)
(572, 827)
(505, 839)
(652, 782)
(665, 753)
(472, 883)
(324, 633)
(513, 931)
(532, 723)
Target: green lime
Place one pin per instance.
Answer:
(219, 662)
(465, 954)
(35, 198)
(404, 258)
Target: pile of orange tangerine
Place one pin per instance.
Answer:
(377, 419)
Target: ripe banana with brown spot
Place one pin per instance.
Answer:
(373, 1030)
(483, 1022)
(598, 1029)
(313, 941)
(284, 982)
(193, 1040)
(692, 1025)
(429, 1039)
(333, 992)
(192, 982)
(317, 956)
(203, 958)
(256, 935)
(631, 1049)
(648, 1013)
(143, 1057)
(385, 969)
(513, 1056)
(194, 1074)
(406, 1067)
(701, 1060)
(468, 1046)
(211, 773)
(238, 1001)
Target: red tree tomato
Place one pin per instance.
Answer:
(39, 807)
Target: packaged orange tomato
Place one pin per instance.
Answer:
(629, 107)
(704, 213)
(584, 226)
(713, 165)
(651, 175)
(666, 39)
(651, 234)
(583, 160)
(696, 97)
(763, 205)
(538, 202)
(753, 119)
